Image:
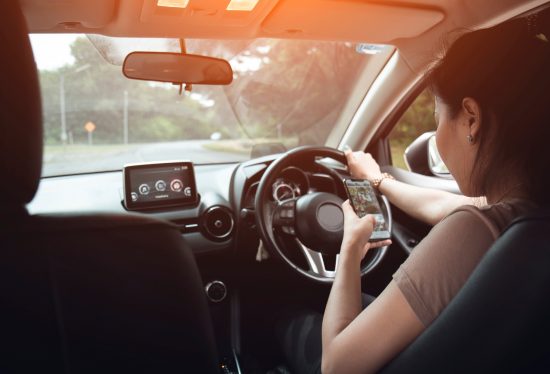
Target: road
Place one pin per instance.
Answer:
(81, 159)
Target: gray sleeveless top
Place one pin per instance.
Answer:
(441, 263)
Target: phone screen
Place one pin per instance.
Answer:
(364, 201)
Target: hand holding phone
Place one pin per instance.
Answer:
(364, 201)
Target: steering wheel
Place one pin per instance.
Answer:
(314, 221)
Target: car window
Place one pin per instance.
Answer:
(289, 92)
(417, 119)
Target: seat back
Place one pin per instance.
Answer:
(96, 294)
(85, 294)
(499, 322)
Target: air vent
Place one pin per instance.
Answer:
(217, 223)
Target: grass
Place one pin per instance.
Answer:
(60, 153)
(231, 146)
(76, 148)
(243, 146)
(397, 154)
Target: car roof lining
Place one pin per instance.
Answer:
(414, 26)
(350, 20)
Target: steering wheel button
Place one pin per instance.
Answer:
(290, 213)
(289, 230)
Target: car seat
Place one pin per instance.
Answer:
(499, 322)
(96, 293)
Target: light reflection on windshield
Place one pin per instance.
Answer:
(289, 92)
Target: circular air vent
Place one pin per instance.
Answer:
(217, 223)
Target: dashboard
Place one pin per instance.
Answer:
(225, 198)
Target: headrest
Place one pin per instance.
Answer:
(20, 111)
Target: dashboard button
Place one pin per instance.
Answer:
(160, 185)
(176, 185)
(144, 189)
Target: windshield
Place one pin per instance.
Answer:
(284, 93)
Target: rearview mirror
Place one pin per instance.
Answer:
(177, 68)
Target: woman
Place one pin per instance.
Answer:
(493, 114)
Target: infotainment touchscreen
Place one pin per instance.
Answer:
(153, 185)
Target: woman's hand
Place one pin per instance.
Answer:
(362, 165)
(357, 232)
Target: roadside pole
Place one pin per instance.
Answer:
(62, 109)
(125, 118)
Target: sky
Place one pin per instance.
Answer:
(52, 51)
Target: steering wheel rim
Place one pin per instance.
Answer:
(266, 214)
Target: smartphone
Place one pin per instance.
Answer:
(364, 201)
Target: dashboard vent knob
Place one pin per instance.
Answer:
(217, 223)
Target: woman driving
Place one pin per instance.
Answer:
(493, 116)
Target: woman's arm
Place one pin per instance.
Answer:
(359, 342)
(425, 204)
(355, 341)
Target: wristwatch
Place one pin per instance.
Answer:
(376, 181)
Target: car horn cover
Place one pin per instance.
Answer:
(320, 222)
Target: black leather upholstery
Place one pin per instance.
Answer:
(97, 294)
(85, 294)
(500, 321)
(20, 114)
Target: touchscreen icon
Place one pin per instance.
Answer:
(160, 185)
(144, 189)
(176, 185)
(187, 191)
(134, 196)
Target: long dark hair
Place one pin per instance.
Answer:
(506, 69)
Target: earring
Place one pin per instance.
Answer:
(470, 139)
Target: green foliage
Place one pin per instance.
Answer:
(417, 119)
(94, 91)
(157, 129)
(302, 91)
(297, 92)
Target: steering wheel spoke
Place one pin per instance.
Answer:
(316, 262)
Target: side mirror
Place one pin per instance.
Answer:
(177, 68)
(422, 157)
(437, 166)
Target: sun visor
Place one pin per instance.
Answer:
(44, 15)
(349, 20)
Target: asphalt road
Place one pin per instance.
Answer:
(91, 159)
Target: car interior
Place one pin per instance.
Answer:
(107, 268)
